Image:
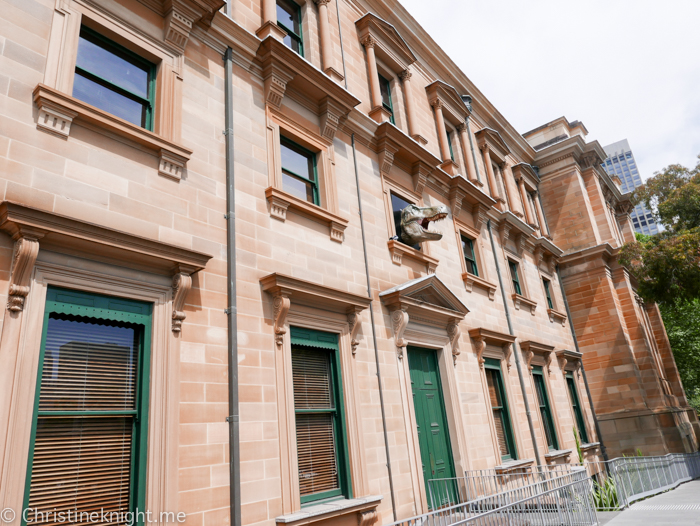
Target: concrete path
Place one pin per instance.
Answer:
(678, 507)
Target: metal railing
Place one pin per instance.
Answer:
(564, 500)
(619, 482)
(485, 482)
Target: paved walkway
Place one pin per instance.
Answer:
(678, 507)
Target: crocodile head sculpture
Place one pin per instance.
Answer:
(415, 222)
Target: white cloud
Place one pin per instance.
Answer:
(626, 68)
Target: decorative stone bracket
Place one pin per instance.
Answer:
(531, 348)
(399, 322)
(182, 283)
(558, 316)
(470, 280)
(482, 337)
(26, 252)
(400, 250)
(566, 356)
(182, 15)
(355, 322)
(454, 332)
(281, 304)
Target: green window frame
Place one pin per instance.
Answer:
(311, 177)
(515, 277)
(295, 38)
(303, 339)
(500, 407)
(548, 292)
(576, 406)
(469, 255)
(97, 309)
(449, 144)
(385, 91)
(112, 47)
(545, 408)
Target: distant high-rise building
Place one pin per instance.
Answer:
(621, 162)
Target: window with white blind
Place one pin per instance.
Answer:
(89, 431)
(319, 413)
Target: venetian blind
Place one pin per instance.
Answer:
(315, 421)
(86, 415)
(497, 408)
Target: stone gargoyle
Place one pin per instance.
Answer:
(415, 221)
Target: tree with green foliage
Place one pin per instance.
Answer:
(667, 265)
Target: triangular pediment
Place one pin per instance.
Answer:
(428, 292)
(391, 43)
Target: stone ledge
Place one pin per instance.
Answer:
(470, 280)
(557, 454)
(591, 446)
(329, 510)
(519, 300)
(280, 201)
(556, 315)
(57, 111)
(514, 465)
(400, 250)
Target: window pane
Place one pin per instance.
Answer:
(385, 90)
(318, 470)
(89, 365)
(111, 65)
(299, 188)
(287, 15)
(311, 372)
(81, 465)
(108, 100)
(297, 162)
(291, 42)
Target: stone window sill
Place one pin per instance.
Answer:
(57, 111)
(557, 454)
(333, 509)
(555, 315)
(590, 447)
(400, 250)
(514, 465)
(470, 280)
(521, 301)
(280, 201)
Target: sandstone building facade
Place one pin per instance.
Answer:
(366, 367)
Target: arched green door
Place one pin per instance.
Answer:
(431, 419)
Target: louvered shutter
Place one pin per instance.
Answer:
(496, 407)
(86, 438)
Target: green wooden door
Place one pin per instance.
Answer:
(433, 434)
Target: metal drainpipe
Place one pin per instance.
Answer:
(374, 331)
(340, 34)
(233, 418)
(583, 370)
(516, 350)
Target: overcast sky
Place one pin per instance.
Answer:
(628, 69)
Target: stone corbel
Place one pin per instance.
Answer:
(539, 255)
(548, 361)
(520, 241)
(182, 283)
(479, 216)
(453, 332)
(280, 304)
(528, 355)
(456, 196)
(386, 156)
(367, 518)
(355, 321)
(178, 24)
(480, 348)
(330, 118)
(55, 118)
(507, 353)
(26, 252)
(275, 84)
(399, 322)
(551, 264)
(504, 232)
(420, 174)
(563, 360)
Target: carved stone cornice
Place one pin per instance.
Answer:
(182, 283)
(388, 44)
(491, 139)
(482, 337)
(283, 69)
(530, 349)
(26, 252)
(446, 98)
(182, 15)
(429, 300)
(566, 356)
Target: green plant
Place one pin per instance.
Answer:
(578, 446)
(605, 495)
